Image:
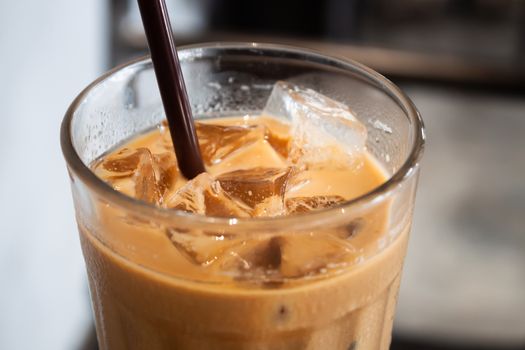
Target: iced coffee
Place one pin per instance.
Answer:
(329, 286)
(295, 235)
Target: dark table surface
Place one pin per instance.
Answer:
(398, 343)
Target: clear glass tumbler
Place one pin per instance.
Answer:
(140, 302)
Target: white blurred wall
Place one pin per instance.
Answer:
(49, 50)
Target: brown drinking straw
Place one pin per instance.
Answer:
(171, 85)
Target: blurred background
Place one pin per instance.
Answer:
(461, 61)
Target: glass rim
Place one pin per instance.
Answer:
(297, 221)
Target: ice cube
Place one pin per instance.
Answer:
(122, 164)
(280, 143)
(269, 261)
(306, 204)
(253, 256)
(218, 141)
(204, 195)
(312, 255)
(199, 248)
(146, 183)
(323, 130)
(229, 255)
(253, 186)
(154, 176)
(138, 173)
(250, 156)
(279, 259)
(168, 170)
(118, 169)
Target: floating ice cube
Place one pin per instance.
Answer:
(140, 174)
(235, 256)
(254, 257)
(167, 170)
(204, 195)
(311, 255)
(279, 259)
(147, 187)
(323, 130)
(199, 248)
(123, 164)
(219, 141)
(280, 143)
(251, 156)
(253, 186)
(265, 260)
